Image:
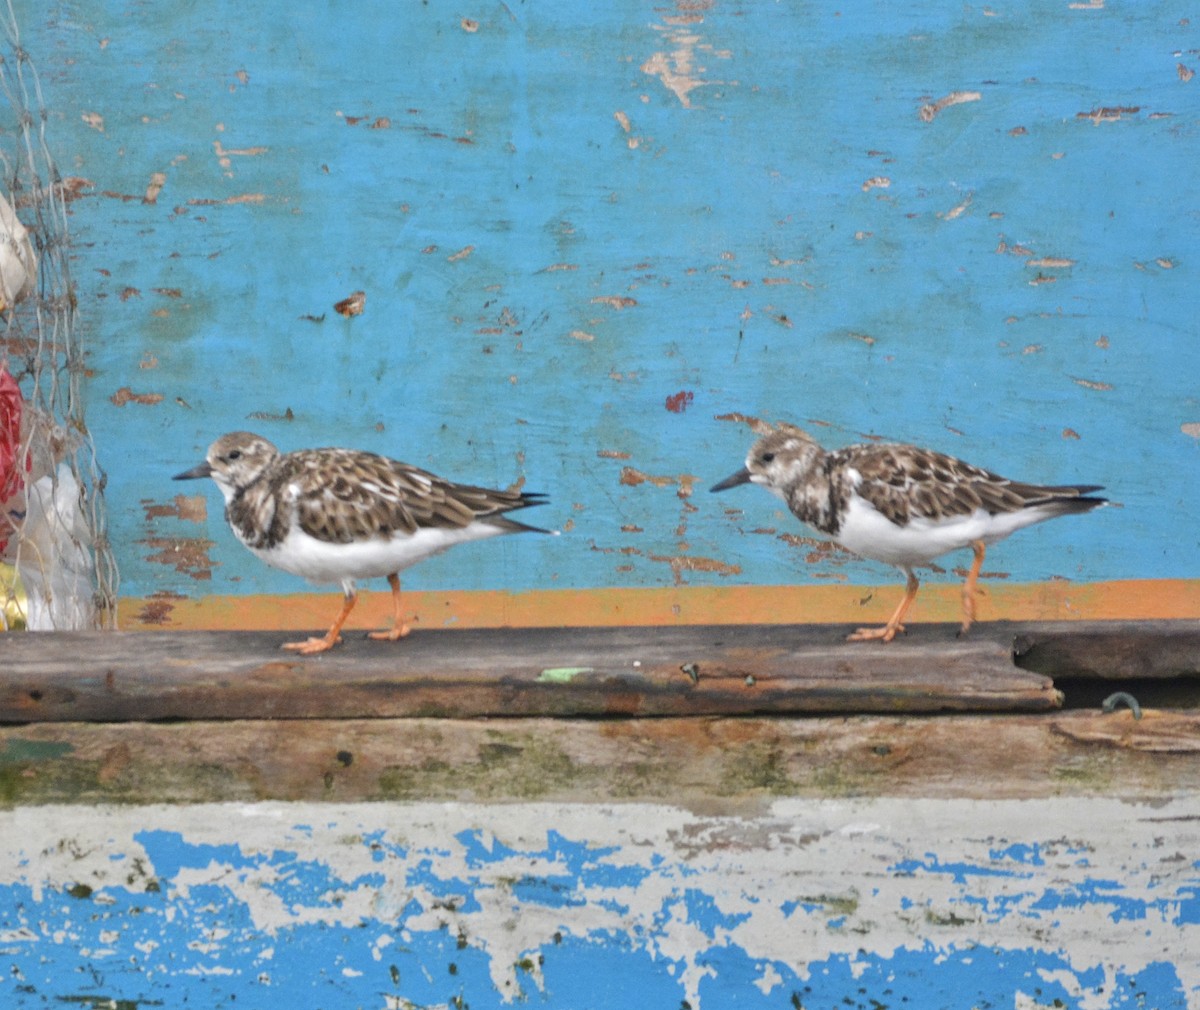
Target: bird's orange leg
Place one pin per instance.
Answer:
(332, 637)
(888, 631)
(398, 629)
(969, 590)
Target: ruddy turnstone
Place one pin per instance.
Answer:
(901, 505)
(338, 515)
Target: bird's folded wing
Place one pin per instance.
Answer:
(346, 495)
(904, 482)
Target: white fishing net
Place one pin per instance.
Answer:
(56, 567)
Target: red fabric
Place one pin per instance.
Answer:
(11, 480)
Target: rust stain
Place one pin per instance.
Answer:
(469, 25)
(681, 563)
(193, 509)
(1185, 73)
(1109, 113)
(187, 555)
(156, 610)
(755, 424)
(632, 477)
(611, 454)
(127, 293)
(677, 403)
(615, 301)
(1070, 433)
(71, 188)
(169, 292)
(352, 305)
(126, 395)
(262, 415)
(929, 111)
(462, 254)
(1015, 250)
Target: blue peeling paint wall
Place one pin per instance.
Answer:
(866, 905)
(591, 235)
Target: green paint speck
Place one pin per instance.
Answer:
(562, 674)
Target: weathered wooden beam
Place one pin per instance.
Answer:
(559, 672)
(712, 763)
(1111, 650)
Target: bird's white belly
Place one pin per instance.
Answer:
(870, 534)
(321, 562)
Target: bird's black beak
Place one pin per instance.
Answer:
(733, 480)
(203, 470)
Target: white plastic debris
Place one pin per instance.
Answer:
(53, 559)
(18, 264)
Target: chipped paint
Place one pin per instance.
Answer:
(804, 903)
(562, 674)
(634, 186)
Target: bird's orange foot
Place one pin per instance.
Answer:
(310, 646)
(392, 634)
(884, 634)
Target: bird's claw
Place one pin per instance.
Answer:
(311, 646)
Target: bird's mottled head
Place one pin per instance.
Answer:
(234, 461)
(784, 455)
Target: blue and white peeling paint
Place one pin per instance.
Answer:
(873, 904)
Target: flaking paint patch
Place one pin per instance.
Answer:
(816, 899)
(185, 554)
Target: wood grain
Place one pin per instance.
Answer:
(712, 670)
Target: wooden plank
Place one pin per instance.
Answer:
(1111, 650)
(713, 764)
(563, 672)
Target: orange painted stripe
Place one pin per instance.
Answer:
(1138, 599)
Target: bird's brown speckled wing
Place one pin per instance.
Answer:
(904, 482)
(341, 495)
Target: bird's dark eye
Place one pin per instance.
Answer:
(767, 457)
(235, 454)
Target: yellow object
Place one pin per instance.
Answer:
(13, 602)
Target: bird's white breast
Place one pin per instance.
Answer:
(870, 534)
(321, 562)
